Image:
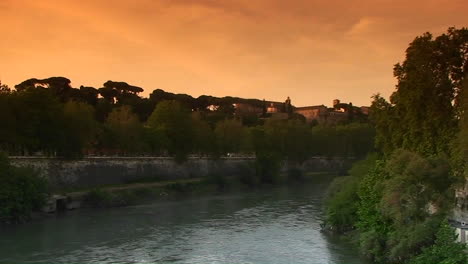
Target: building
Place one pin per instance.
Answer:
(340, 112)
(461, 229)
(318, 112)
(321, 114)
(245, 108)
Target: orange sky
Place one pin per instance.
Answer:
(311, 50)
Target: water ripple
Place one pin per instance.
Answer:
(279, 226)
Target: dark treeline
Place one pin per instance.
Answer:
(50, 117)
(394, 203)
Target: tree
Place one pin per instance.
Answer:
(124, 131)
(39, 120)
(203, 135)
(297, 141)
(173, 121)
(58, 86)
(89, 95)
(230, 136)
(4, 89)
(429, 81)
(80, 128)
(460, 144)
(8, 135)
(118, 91)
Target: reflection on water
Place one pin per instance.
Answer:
(269, 226)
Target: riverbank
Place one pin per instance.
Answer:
(132, 186)
(106, 196)
(91, 172)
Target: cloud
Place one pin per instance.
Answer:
(311, 50)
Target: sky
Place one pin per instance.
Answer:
(310, 50)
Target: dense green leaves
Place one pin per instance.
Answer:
(444, 250)
(421, 135)
(173, 121)
(80, 129)
(22, 192)
(230, 136)
(427, 95)
(123, 131)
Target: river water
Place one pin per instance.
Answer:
(279, 225)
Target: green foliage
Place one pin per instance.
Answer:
(342, 199)
(445, 249)
(38, 121)
(387, 201)
(289, 138)
(124, 131)
(354, 139)
(429, 81)
(230, 136)
(408, 240)
(297, 141)
(393, 205)
(50, 117)
(414, 182)
(203, 135)
(370, 193)
(173, 121)
(268, 157)
(401, 200)
(460, 144)
(342, 204)
(80, 128)
(22, 192)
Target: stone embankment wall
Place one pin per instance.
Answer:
(95, 171)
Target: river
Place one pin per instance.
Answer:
(278, 225)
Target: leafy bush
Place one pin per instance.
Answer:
(393, 201)
(342, 198)
(22, 192)
(342, 204)
(445, 249)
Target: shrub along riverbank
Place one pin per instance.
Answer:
(131, 194)
(24, 193)
(21, 192)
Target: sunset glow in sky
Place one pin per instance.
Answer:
(311, 50)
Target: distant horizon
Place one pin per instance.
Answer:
(146, 93)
